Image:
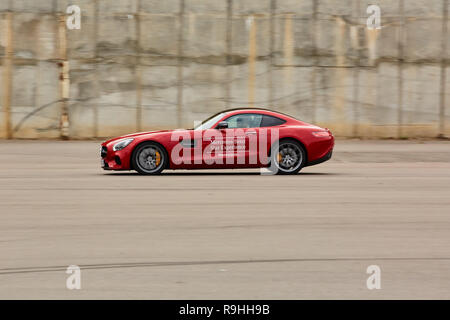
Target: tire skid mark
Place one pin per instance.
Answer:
(6, 271)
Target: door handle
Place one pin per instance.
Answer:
(250, 132)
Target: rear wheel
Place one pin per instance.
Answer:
(287, 158)
(149, 158)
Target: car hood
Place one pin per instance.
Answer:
(132, 135)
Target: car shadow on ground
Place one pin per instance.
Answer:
(220, 173)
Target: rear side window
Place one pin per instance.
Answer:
(270, 121)
(244, 120)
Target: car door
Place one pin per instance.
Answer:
(240, 140)
(212, 148)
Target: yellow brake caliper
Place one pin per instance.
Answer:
(279, 157)
(158, 158)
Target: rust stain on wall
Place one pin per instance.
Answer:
(135, 65)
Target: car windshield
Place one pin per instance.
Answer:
(208, 123)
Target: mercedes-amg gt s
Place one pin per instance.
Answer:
(238, 138)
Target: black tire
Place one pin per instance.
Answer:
(293, 151)
(144, 165)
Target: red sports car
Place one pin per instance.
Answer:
(238, 138)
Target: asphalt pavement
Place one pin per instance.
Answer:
(228, 234)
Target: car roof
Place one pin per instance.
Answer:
(265, 111)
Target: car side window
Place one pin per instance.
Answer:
(244, 120)
(270, 121)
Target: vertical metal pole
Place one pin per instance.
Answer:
(7, 73)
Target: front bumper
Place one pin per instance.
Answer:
(114, 160)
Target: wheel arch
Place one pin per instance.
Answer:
(296, 140)
(144, 142)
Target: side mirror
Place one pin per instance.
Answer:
(222, 125)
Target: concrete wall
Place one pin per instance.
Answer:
(149, 64)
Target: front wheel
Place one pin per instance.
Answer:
(287, 157)
(149, 158)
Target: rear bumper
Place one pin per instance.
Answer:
(320, 160)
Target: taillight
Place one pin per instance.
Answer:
(321, 134)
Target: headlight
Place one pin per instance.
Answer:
(122, 144)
